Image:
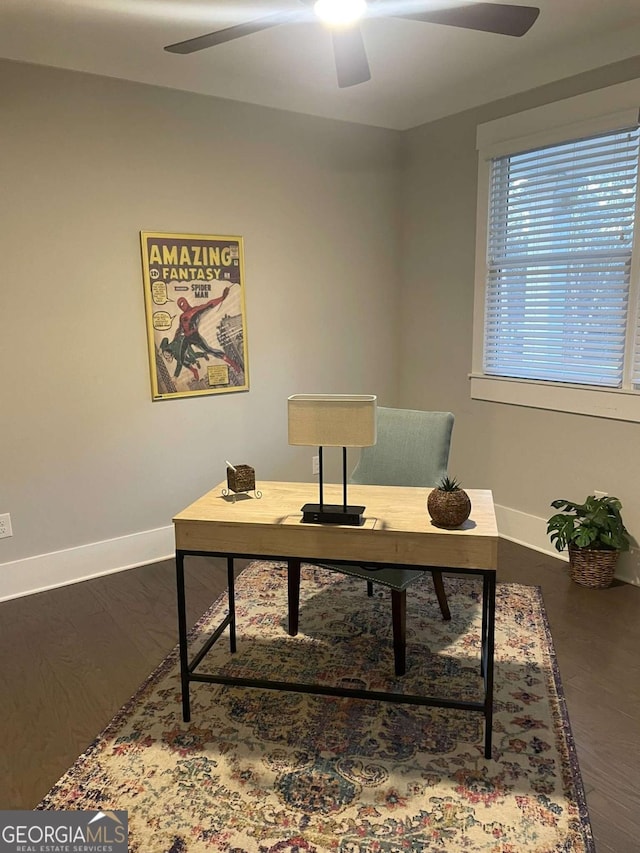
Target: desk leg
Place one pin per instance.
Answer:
(182, 637)
(293, 591)
(399, 619)
(483, 633)
(488, 646)
(232, 604)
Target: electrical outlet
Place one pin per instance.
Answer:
(315, 465)
(5, 526)
(597, 494)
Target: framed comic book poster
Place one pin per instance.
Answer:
(196, 322)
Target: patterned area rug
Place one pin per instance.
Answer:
(259, 771)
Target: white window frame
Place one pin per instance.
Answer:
(604, 110)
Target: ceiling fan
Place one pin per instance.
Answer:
(351, 61)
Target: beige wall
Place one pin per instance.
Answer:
(528, 457)
(88, 162)
(359, 252)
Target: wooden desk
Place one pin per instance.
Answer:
(397, 532)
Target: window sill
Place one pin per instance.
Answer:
(599, 403)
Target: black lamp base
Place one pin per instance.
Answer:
(333, 514)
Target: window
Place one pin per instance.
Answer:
(559, 260)
(557, 276)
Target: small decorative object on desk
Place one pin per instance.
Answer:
(448, 503)
(241, 478)
(594, 534)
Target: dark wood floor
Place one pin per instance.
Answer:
(72, 656)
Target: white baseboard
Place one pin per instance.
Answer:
(47, 571)
(525, 529)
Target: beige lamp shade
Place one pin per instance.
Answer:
(332, 420)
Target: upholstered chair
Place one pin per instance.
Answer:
(412, 449)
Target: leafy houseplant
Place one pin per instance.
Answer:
(448, 504)
(594, 534)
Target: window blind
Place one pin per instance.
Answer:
(561, 223)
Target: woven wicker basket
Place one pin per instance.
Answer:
(448, 509)
(592, 567)
(243, 479)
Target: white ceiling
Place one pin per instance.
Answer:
(419, 71)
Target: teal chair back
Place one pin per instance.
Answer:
(412, 449)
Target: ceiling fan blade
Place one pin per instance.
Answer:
(502, 18)
(237, 31)
(352, 66)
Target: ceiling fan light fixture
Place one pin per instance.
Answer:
(340, 13)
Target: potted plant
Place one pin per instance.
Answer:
(448, 503)
(594, 534)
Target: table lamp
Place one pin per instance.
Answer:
(332, 420)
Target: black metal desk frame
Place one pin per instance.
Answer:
(188, 668)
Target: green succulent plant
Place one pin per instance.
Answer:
(596, 523)
(449, 484)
